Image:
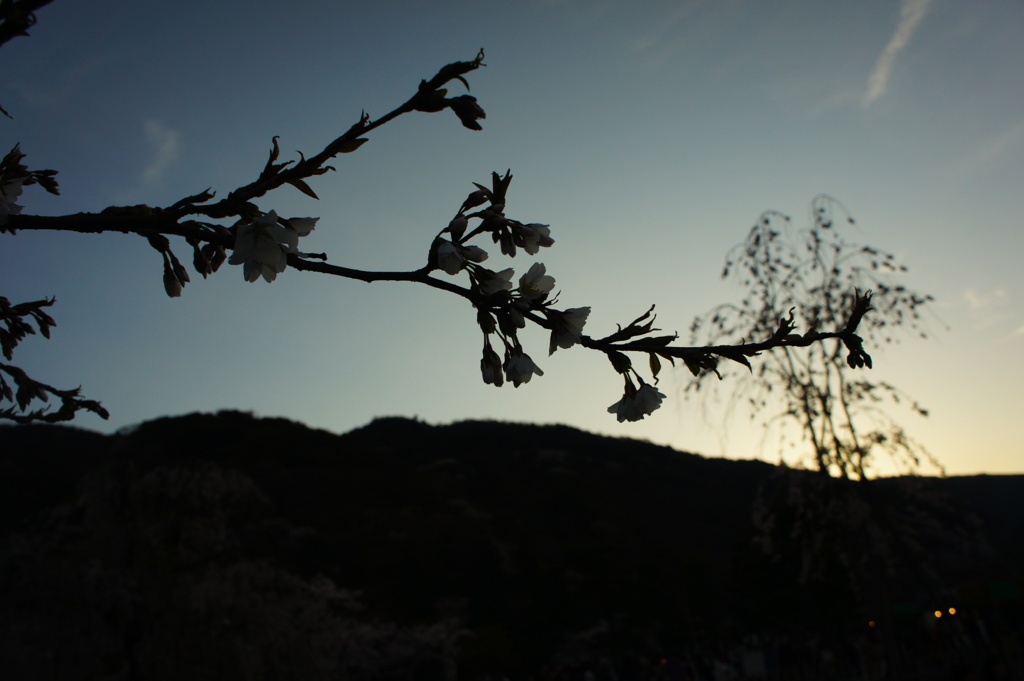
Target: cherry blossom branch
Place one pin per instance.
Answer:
(783, 337)
(420, 276)
(16, 323)
(430, 97)
(502, 310)
(29, 389)
(265, 244)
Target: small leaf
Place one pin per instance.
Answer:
(741, 359)
(620, 361)
(655, 366)
(304, 188)
(349, 147)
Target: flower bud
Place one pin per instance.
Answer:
(490, 367)
(171, 284)
(486, 321)
(201, 262)
(216, 254)
(179, 271)
(457, 227)
(475, 199)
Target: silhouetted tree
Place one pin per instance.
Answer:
(852, 543)
(809, 279)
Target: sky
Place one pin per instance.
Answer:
(649, 135)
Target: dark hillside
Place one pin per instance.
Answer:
(540, 544)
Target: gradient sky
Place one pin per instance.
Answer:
(649, 135)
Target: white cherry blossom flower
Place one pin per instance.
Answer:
(635, 406)
(262, 247)
(649, 398)
(449, 258)
(474, 253)
(301, 226)
(567, 327)
(519, 368)
(535, 284)
(493, 282)
(535, 236)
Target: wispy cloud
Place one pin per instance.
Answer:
(995, 147)
(911, 14)
(166, 142)
(992, 314)
(977, 301)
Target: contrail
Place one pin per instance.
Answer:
(912, 13)
(166, 140)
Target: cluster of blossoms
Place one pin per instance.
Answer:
(262, 246)
(504, 312)
(503, 308)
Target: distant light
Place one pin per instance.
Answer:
(871, 624)
(952, 611)
(938, 613)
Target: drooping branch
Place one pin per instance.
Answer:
(494, 302)
(265, 244)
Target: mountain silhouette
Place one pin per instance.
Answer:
(261, 548)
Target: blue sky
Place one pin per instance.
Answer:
(649, 135)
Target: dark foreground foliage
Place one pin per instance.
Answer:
(226, 546)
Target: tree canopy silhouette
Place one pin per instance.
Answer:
(814, 276)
